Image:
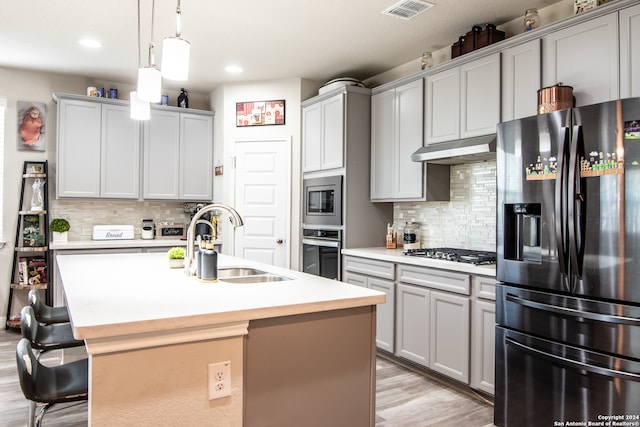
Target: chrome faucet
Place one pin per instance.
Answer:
(234, 217)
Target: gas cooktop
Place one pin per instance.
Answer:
(454, 254)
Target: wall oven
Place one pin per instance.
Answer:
(321, 253)
(323, 201)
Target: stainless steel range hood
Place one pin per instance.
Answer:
(460, 151)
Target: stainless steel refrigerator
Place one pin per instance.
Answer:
(568, 259)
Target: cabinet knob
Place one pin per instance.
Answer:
(279, 241)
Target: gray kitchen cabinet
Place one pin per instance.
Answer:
(449, 335)
(433, 318)
(98, 150)
(483, 313)
(323, 134)
(377, 275)
(584, 56)
(178, 156)
(630, 52)
(521, 79)
(464, 101)
(412, 323)
(396, 132)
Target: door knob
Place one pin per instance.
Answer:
(279, 241)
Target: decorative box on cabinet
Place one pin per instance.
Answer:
(397, 123)
(380, 276)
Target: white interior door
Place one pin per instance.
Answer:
(262, 198)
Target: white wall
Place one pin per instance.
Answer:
(223, 101)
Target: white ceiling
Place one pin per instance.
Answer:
(270, 39)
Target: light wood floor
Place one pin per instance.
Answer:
(405, 397)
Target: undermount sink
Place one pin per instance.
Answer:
(247, 275)
(238, 272)
(254, 279)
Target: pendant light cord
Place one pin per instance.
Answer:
(178, 13)
(139, 61)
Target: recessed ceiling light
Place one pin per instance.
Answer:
(92, 43)
(233, 69)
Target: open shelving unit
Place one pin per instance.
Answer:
(31, 256)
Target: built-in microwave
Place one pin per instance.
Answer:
(323, 201)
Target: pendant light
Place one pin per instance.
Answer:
(149, 78)
(138, 109)
(175, 54)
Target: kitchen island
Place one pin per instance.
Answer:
(302, 351)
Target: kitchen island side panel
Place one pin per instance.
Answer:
(312, 369)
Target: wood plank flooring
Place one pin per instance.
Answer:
(405, 397)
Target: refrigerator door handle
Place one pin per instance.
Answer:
(573, 364)
(566, 311)
(560, 207)
(576, 205)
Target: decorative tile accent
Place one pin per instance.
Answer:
(468, 220)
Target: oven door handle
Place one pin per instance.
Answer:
(573, 312)
(326, 243)
(563, 361)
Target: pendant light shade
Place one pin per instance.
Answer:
(175, 54)
(149, 84)
(175, 58)
(139, 110)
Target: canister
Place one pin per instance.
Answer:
(554, 98)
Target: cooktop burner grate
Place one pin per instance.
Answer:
(454, 254)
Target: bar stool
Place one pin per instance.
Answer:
(49, 385)
(44, 313)
(46, 337)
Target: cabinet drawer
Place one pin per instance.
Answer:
(435, 279)
(484, 287)
(370, 267)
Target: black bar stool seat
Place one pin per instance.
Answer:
(46, 337)
(50, 385)
(44, 313)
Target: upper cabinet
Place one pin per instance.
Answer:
(521, 78)
(584, 56)
(323, 134)
(178, 156)
(463, 101)
(630, 52)
(397, 123)
(98, 151)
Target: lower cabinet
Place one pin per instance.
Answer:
(379, 276)
(440, 319)
(433, 329)
(483, 313)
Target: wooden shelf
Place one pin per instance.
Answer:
(13, 324)
(32, 212)
(28, 287)
(31, 248)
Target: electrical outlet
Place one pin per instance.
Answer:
(87, 231)
(219, 380)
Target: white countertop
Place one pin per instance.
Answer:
(118, 244)
(109, 295)
(396, 256)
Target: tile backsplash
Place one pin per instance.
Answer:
(468, 220)
(84, 214)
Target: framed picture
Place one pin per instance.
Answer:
(260, 113)
(31, 130)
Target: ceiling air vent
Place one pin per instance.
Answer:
(407, 9)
